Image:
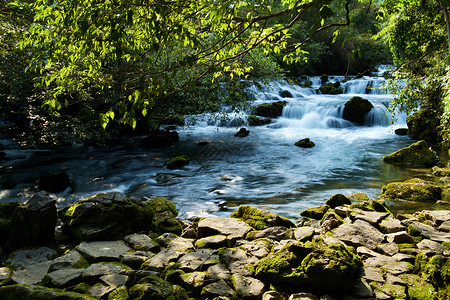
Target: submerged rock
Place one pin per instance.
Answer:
(257, 121)
(356, 109)
(270, 110)
(285, 94)
(305, 143)
(414, 189)
(177, 162)
(415, 155)
(243, 132)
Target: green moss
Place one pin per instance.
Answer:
(305, 143)
(441, 172)
(372, 205)
(414, 189)
(27, 292)
(161, 204)
(315, 212)
(177, 162)
(418, 289)
(260, 219)
(82, 288)
(358, 197)
(120, 293)
(415, 155)
(82, 263)
(413, 231)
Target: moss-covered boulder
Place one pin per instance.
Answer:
(257, 121)
(441, 172)
(153, 287)
(305, 143)
(311, 266)
(414, 189)
(270, 110)
(177, 162)
(436, 270)
(356, 109)
(424, 125)
(165, 218)
(259, 218)
(107, 216)
(243, 132)
(415, 155)
(161, 138)
(315, 212)
(371, 205)
(35, 292)
(337, 200)
(331, 88)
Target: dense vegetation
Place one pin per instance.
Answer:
(68, 69)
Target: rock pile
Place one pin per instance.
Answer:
(358, 250)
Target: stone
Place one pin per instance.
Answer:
(365, 252)
(440, 172)
(331, 88)
(98, 270)
(257, 121)
(392, 225)
(218, 288)
(141, 242)
(394, 280)
(136, 259)
(106, 216)
(259, 218)
(243, 132)
(5, 274)
(156, 288)
(285, 94)
(164, 239)
(372, 274)
(330, 221)
(436, 216)
(418, 288)
(304, 233)
(214, 242)
(33, 223)
(303, 296)
(238, 261)
(315, 212)
(115, 280)
(201, 258)
(270, 110)
(356, 109)
(272, 295)
(194, 281)
(371, 205)
(100, 291)
(277, 233)
(360, 233)
(20, 259)
(388, 249)
(401, 131)
(54, 182)
(177, 162)
(247, 287)
(423, 125)
(413, 189)
(401, 237)
(161, 138)
(361, 289)
(428, 232)
(415, 155)
(104, 250)
(358, 197)
(388, 264)
(338, 200)
(305, 143)
(31, 274)
(231, 227)
(69, 260)
(165, 218)
(342, 211)
(430, 245)
(393, 291)
(372, 217)
(445, 226)
(180, 244)
(162, 259)
(65, 277)
(218, 271)
(259, 248)
(38, 292)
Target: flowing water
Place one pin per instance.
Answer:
(264, 169)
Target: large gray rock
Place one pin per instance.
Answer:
(193, 261)
(356, 109)
(162, 259)
(69, 260)
(32, 274)
(65, 277)
(415, 155)
(104, 250)
(231, 227)
(429, 232)
(141, 242)
(247, 287)
(360, 233)
(218, 288)
(437, 216)
(39, 292)
(238, 261)
(98, 270)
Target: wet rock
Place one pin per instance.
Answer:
(243, 132)
(177, 162)
(331, 88)
(415, 155)
(305, 143)
(54, 183)
(360, 233)
(338, 200)
(401, 131)
(413, 189)
(141, 242)
(161, 138)
(270, 110)
(247, 287)
(259, 248)
(257, 121)
(260, 218)
(107, 250)
(285, 94)
(371, 205)
(356, 109)
(106, 216)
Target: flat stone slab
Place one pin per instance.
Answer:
(181, 244)
(247, 287)
(218, 271)
(109, 250)
(24, 258)
(214, 241)
(437, 216)
(115, 280)
(136, 259)
(388, 249)
(430, 232)
(371, 217)
(258, 248)
(432, 246)
(32, 274)
(193, 261)
(162, 259)
(304, 233)
(68, 260)
(360, 233)
(277, 233)
(64, 277)
(141, 242)
(388, 264)
(392, 225)
(218, 288)
(239, 262)
(372, 274)
(103, 268)
(226, 226)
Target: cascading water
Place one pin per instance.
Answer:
(264, 169)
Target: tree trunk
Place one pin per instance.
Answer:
(447, 22)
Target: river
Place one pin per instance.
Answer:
(264, 169)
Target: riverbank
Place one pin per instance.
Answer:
(110, 246)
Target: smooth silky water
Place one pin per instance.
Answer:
(264, 169)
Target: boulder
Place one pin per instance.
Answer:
(260, 218)
(414, 189)
(359, 233)
(54, 183)
(285, 94)
(177, 162)
(337, 200)
(415, 155)
(39, 293)
(257, 121)
(103, 250)
(356, 109)
(315, 212)
(270, 110)
(155, 288)
(107, 216)
(243, 132)
(331, 88)
(161, 138)
(401, 131)
(305, 143)
(311, 266)
(230, 227)
(423, 125)
(33, 224)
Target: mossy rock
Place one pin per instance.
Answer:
(177, 162)
(356, 109)
(414, 189)
(415, 155)
(121, 293)
(372, 205)
(270, 110)
(260, 219)
(331, 88)
(418, 288)
(164, 219)
(424, 125)
(155, 288)
(35, 292)
(106, 216)
(315, 212)
(311, 266)
(305, 143)
(337, 200)
(257, 121)
(436, 270)
(6, 211)
(285, 94)
(440, 172)
(358, 197)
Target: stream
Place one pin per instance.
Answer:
(264, 169)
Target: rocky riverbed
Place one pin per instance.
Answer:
(110, 246)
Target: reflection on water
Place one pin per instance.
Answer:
(264, 169)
